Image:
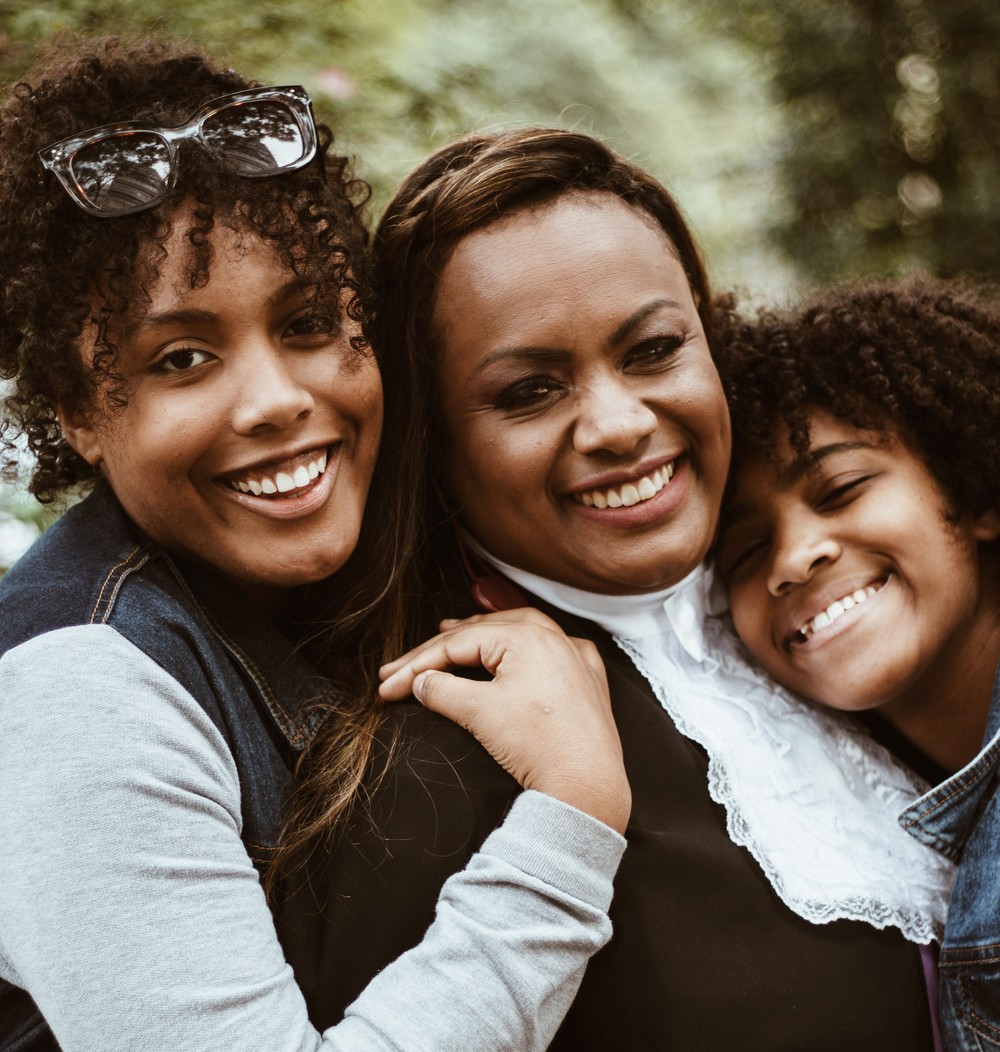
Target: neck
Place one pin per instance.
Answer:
(946, 722)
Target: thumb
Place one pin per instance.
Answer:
(430, 688)
(423, 687)
(451, 696)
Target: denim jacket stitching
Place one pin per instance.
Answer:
(298, 734)
(980, 1024)
(291, 729)
(977, 774)
(135, 560)
(961, 956)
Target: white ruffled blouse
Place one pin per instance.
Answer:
(807, 791)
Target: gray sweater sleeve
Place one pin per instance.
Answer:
(131, 912)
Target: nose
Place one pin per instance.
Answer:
(270, 395)
(611, 418)
(799, 551)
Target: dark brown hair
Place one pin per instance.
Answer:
(915, 357)
(466, 186)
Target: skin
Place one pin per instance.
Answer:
(234, 382)
(862, 512)
(573, 360)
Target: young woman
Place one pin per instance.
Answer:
(553, 301)
(184, 274)
(859, 547)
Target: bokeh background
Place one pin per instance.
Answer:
(806, 140)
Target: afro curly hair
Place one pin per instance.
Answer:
(916, 357)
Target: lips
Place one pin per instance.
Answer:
(628, 494)
(282, 478)
(835, 610)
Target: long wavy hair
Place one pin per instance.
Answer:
(62, 269)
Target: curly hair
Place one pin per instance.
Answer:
(469, 184)
(918, 358)
(100, 269)
(62, 269)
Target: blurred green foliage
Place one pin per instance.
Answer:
(891, 141)
(806, 139)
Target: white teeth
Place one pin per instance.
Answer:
(631, 493)
(836, 609)
(282, 481)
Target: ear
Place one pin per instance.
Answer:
(986, 525)
(80, 432)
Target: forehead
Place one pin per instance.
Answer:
(582, 252)
(781, 467)
(589, 221)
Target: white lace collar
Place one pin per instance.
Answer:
(810, 795)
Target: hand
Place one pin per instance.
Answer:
(545, 716)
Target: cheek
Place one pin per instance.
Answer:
(510, 463)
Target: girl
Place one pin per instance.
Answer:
(184, 276)
(555, 308)
(859, 547)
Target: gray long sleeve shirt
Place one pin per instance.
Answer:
(132, 913)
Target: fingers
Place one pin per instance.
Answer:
(482, 644)
(524, 616)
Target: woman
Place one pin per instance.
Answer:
(553, 300)
(182, 303)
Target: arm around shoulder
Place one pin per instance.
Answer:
(123, 863)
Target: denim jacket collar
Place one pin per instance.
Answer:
(946, 816)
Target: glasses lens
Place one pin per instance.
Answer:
(257, 138)
(123, 172)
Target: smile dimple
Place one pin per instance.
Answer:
(835, 610)
(282, 480)
(629, 494)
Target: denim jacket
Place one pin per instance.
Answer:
(961, 819)
(95, 567)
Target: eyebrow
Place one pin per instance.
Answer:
(191, 316)
(548, 354)
(790, 474)
(802, 465)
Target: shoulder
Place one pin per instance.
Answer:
(73, 573)
(431, 785)
(89, 686)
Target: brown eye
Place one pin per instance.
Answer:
(182, 360)
(653, 354)
(315, 323)
(526, 394)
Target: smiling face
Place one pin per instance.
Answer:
(250, 434)
(848, 578)
(586, 428)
